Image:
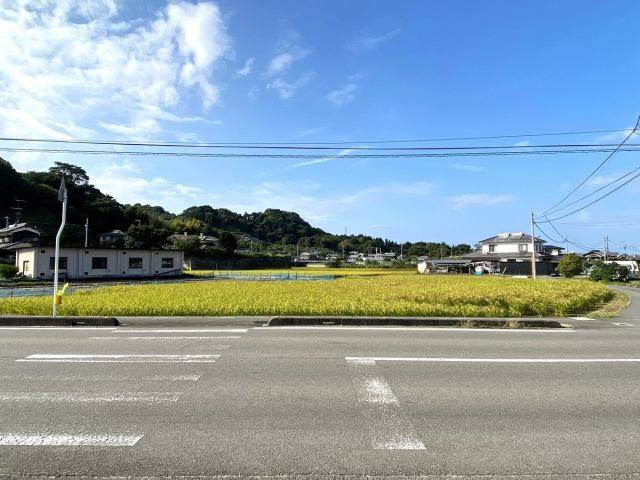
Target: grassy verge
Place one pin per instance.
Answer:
(387, 295)
(613, 307)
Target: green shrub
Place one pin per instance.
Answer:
(570, 265)
(8, 271)
(608, 272)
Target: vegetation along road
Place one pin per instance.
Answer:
(377, 295)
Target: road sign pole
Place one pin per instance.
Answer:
(62, 195)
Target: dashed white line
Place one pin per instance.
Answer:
(46, 329)
(133, 330)
(184, 337)
(82, 397)
(373, 360)
(389, 427)
(120, 358)
(102, 378)
(330, 328)
(21, 439)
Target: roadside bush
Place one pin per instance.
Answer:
(570, 265)
(608, 272)
(8, 271)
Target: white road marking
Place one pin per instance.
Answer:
(21, 439)
(120, 358)
(373, 360)
(389, 427)
(81, 397)
(330, 328)
(165, 338)
(133, 330)
(102, 378)
(46, 329)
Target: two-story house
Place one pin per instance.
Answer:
(12, 237)
(511, 253)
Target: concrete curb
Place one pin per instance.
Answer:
(29, 321)
(416, 322)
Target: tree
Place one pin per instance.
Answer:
(72, 173)
(608, 272)
(189, 245)
(228, 242)
(570, 265)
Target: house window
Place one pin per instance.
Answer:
(135, 262)
(99, 263)
(62, 263)
(167, 262)
(492, 248)
(25, 266)
(522, 247)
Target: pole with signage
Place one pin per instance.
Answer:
(62, 197)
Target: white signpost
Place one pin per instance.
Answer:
(62, 197)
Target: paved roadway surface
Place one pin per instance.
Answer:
(223, 402)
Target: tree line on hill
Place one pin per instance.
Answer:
(270, 232)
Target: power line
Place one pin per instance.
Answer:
(597, 199)
(294, 147)
(630, 148)
(635, 128)
(264, 144)
(593, 193)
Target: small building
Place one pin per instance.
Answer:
(114, 238)
(81, 263)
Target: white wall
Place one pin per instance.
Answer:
(511, 247)
(80, 262)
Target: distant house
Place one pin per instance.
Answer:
(511, 254)
(113, 238)
(80, 263)
(13, 236)
(205, 240)
(16, 236)
(593, 255)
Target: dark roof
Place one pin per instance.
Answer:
(114, 232)
(510, 237)
(17, 227)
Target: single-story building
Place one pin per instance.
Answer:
(80, 263)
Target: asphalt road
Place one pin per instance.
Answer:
(215, 401)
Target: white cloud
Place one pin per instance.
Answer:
(342, 95)
(316, 161)
(282, 62)
(286, 89)
(75, 61)
(467, 167)
(600, 180)
(125, 182)
(288, 52)
(368, 41)
(313, 207)
(246, 69)
(465, 200)
(523, 143)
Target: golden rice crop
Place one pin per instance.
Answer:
(392, 295)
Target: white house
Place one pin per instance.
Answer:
(79, 263)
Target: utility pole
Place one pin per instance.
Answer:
(401, 245)
(566, 245)
(62, 197)
(86, 233)
(606, 247)
(533, 247)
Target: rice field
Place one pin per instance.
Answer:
(303, 271)
(385, 295)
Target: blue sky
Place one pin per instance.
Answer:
(335, 71)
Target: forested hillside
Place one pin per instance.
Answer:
(149, 226)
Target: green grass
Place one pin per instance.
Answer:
(384, 295)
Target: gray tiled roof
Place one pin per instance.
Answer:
(510, 237)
